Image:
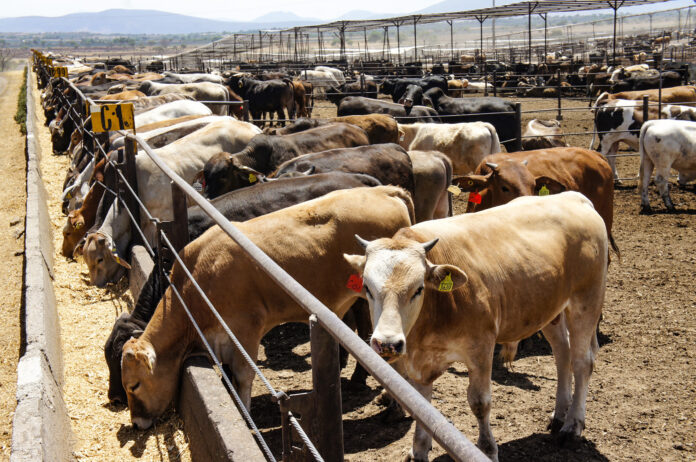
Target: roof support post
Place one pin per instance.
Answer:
(615, 5)
(295, 43)
(398, 42)
(415, 39)
(342, 39)
(449, 21)
(367, 53)
(544, 16)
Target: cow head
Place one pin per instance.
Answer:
(103, 260)
(413, 96)
(150, 382)
(124, 329)
(500, 183)
(223, 172)
(73, 232)
(396, 274)
(145, 87)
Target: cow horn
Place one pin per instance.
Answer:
(429, 245)
(363, 243)
(492, 165)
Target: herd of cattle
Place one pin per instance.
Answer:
(364, 196)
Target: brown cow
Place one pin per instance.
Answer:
(308, 240)
(380, 128)
(128, 95)
(684, 95)
(300, 95)
(493, 277)
(81, 220)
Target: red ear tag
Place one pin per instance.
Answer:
(475, 197)
(355, 283)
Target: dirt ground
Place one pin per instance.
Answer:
(13, 167)
(102, 432)
(642, 400)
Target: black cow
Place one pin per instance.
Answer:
(264, 153)
(357, 105)
(413, 96)
(240, 205)
(397, 87)
(637, 83)
(265, 96)
(474, 110)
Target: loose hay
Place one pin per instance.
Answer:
(87, 314)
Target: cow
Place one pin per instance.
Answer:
(420, 281)
(104, 248)
(128, 95)
(160, 137)
(320, 79)
(226, 172)
(621, 120)
(380, 128)
(683, 95)
(455, 87)
(240, 205)
(413, 96)
(81, 220)
(145, 104)
(367, 88)
(358, 105)
(201, 91)
(272, 96)
(192, 78)
(171, 111)
(336, 73)
(300, 96)
(665, 145)
(543, 134)
(471, 109)
(295, 240)
(465, 144)
(668, 79)
(397, 87)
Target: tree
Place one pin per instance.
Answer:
(6, 55)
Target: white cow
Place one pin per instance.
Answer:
(196, 77)
(320, 79)
(466, 143)
(666, 144)
(104, 249)
(172, 110)
(200, 91)
(337, 73)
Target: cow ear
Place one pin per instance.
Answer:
(545, 186)
(118, 259)
(472, 182)
(79, 248)
(445, 278)
(357, 262)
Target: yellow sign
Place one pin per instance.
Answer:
(107, 117)
(47, 61)
(60, 71)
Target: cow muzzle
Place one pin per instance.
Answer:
(141, 423)
(408, 103)
(389, 350)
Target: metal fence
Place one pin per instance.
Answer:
(327, 331)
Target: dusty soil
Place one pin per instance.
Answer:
(101, 431)
(642, 400)
(13, 167)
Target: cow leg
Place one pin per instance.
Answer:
(422, 441)
(646, 169)
(582, 317)
(281, 117)
(361, 311)
(611, 158)
(557, 336)
(242, 373)
(662, 183)
(479, 396)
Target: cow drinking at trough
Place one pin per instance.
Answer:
(307, 240)
(448, 290)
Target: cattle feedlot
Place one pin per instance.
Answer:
(460, 234)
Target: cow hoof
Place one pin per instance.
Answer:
(566, 439)
(555, 426)
(411, 458)
(645, 210)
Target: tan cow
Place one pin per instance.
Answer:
(545, 133)
(494, 277)
(466, 143)
(685, 95)
(128, 95)
(308, 240)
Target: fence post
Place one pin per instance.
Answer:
(130, 173)
(646, 109)
(495, 83)
(362, 83)
(559, 116)
(518, 126)
(245, 110)
(327, 424)
(659, 96)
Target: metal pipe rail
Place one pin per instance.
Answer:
(456, 444)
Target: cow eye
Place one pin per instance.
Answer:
(418, 292)
(505, 189)
(99, 260)
(135, 387)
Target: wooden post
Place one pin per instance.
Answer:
(130, 173)
(559, 116)
(646, 108)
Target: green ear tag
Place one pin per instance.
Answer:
(544, 191)
(253, 179)
(446, 284)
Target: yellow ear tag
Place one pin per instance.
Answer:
(252, 178)
(77, 225)
(446, 284)
(113, 252)
(241, 84)
(454, 189)
(544, 191)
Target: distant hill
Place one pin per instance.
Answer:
(284, 17)
(142, 22)
(362, 14)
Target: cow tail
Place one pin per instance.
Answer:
(495, 145)
(227, 98)
(614, 247)
(448, 181)
(594, 132)
(405, 196)
(600, 99)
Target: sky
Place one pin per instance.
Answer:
(215, 9)
(234, 10)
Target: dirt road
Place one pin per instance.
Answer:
(12, 166)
